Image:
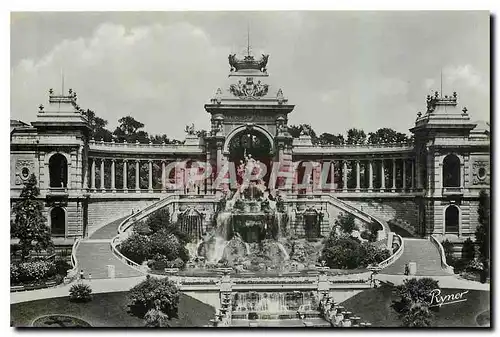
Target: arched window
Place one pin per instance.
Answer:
(451, 219)
(451, 171)
(57, 221)
(58, 171)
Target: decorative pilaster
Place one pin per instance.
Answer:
(412, 175)
(150, 182)
(113, 187)
(86, 176)
(382, 176)
(125, 185)
(137, 186)
(344, 174)
(370, 175)
(358, 185)
(92, 175)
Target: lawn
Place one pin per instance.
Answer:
(373, 305)
(107, 310)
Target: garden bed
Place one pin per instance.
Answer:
(374, 306)
(107, 310)
(32, 286)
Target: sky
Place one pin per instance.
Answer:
(341, 69)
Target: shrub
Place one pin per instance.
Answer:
(468, 250)
(62, 267)
(448, 250)
(14, 274)
(159, 262)
(371, 254)
(167, 244)
(136, 247)
(346, 222)
(32, 271)
(349, 253)
(142, 228)
(154, 293)
(414, 301)
(159, 220)
(177, 263)
(371, 231)
(418, 316)
(156, 319)
(80, 292)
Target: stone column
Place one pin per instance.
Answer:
(150, 182)
(102, 176)
(163, 178)
(92, 176)
(344, 174)
(393, 174)
(113, 187)
(370, 175)
(332, 175)
(358, 185)
(137, 186)
(404, 174)
(219, 158)
(86, 176)
(125, 187)
(382, 176)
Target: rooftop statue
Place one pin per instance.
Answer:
(248, 63)
(190, 130)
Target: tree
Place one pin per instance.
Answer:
(98, 129)
(154, 293)
(331, 139)
(30, 225)
(483, 232)
(160, 139)
(483, 229)
(415, 296)
(387, 136)
(346, 222)
(129, 130)
(418, 316)
(136, 247)
(355, 136)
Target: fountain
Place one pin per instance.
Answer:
(249, 222)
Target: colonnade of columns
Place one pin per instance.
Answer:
(393, 177)
(127, 164)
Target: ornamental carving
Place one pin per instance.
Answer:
(248, 62)
(249, 118)
(249, 89)
(23, 169)
(480, 173)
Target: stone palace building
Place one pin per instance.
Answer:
(429, 186)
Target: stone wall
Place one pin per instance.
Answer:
(388, 209)
(104, 211)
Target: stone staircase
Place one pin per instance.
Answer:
(402, 228)
(94, 254)
(424, 253)
(103, 211)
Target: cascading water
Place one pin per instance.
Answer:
(283, 250)
(218, 250)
